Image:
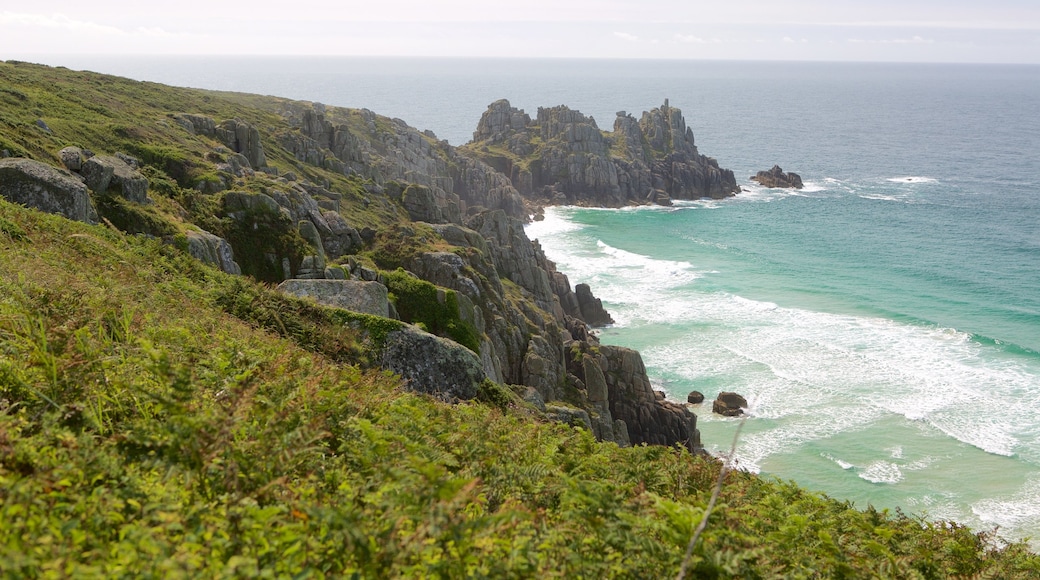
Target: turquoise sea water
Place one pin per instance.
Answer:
(884, 322)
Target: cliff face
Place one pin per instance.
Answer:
(279, 189)
(562, 156)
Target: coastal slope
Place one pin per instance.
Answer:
(242, 335)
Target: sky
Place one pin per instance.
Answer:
(995, 31)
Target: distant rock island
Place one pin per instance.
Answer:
(776, 177)
(562, 157)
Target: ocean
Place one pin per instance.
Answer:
(883, 322)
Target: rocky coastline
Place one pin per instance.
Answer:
(459, 228)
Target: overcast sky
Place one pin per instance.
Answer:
(880, 30)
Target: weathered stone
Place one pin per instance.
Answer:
(569, 160)
(71, 158)
(569, 416)
(312, 266)
(776, 177)
(197, 124)
(695, 398)
(353, 295)
(592, 310)
(243, 138)
(212, 249)
(45, 188)
(729, 404)
(110, 174)
(433, 365)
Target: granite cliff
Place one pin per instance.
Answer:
(287, 190)
(563, 157)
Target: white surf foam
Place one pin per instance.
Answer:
(1018, 514)
(880, 197)
(912, 179)
(842, 464)
(817, 374)
(882, 472)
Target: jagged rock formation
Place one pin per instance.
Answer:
(386, 150)
(563, 157)
(776, 177)
(45, 188)
(242, 138)
(531, 325)
(212, 249)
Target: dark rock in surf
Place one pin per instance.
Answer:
(776, 177)
(729, 404)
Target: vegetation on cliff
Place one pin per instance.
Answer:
(161, 418)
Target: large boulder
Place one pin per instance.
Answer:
(729, 404)
(433, 365)
(109, 174)
(40, 186)
(354, 295)
(776, 177)
(212, 249)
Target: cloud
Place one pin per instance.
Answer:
(627, 36)
(912, 40)
(689, 39)
(60, 21)
(66, 23)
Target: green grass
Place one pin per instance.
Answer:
(159, 418)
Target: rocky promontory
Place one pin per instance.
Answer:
(563, 157)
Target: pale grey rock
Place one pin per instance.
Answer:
(110, 174)
(241, 137)
(212, 249)
(197, 124)
(71, 158)
(353, 295)
(40, 186)
(433, 365)
(313, 266)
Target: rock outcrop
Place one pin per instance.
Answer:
(562, 156)
(46, 188)
(729, 404)
(354, 295)
(107, 174)
(776, 177)
(433, 365)
(242, 138)
(212, 249)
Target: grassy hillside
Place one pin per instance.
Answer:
(159, 418)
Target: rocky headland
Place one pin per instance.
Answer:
(563, 157)
(357, 211)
